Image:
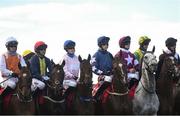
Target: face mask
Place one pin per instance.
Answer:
(41, 53)
(12, 52)
(70, 55)
(143, 48)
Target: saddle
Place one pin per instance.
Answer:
(104, 96)
(96, 87)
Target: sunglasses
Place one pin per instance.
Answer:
(71, 48)
(42, 48)
(126, 42)
(12, 46)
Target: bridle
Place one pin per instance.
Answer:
(55, 86)
(121, 74)
(20, 95)
(147, 67)
(87, 85)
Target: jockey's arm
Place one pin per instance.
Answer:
(94, 65)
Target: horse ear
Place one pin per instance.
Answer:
(19, 66)
(79, 58)
(89, 57)
(28, 64)
(52, 63)
(153, 50)
(63, 63)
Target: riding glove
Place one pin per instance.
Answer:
(14, 75)
(45, 78)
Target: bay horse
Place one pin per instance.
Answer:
(22, 102)
(145, 100)
(118, 101)
(176, 108)
(83, 102)
(166, 84)
(54, 101)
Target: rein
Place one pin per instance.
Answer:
(21, 97)
(24, 100)
(150, 92)
(147, 67)
(118, 94)
(54, 101)
(52, 87)
(6, 79)
(86, 98)
(51, 99)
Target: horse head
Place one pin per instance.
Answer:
(24, 84)
(56, 78)
(85, 70)
(149, 61)
(171, 66)
(119, 74)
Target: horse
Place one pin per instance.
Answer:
(166, 84)
(118, 101)
(54, 101)
(176, 110)
(22, 102)
(83, 102)
(145, 100)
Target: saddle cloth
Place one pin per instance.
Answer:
(132, 92)
(5, 98)
(105, 94)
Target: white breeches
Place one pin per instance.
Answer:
(37, 84)
(10, 82)
(103, 78)
(108, 78)
(133, 75)
(71, 83)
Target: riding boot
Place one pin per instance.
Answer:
(101, 90)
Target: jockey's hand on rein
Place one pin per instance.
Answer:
(14, 75)
(132, 70)
(75, 78)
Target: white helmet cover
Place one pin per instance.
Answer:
(10, 39)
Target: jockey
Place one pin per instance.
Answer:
(27, 54)
(71, 68)
(129, 60)
(144, 43)
(171, 50)
(102, 64)
(39, 64)
(9, 63)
